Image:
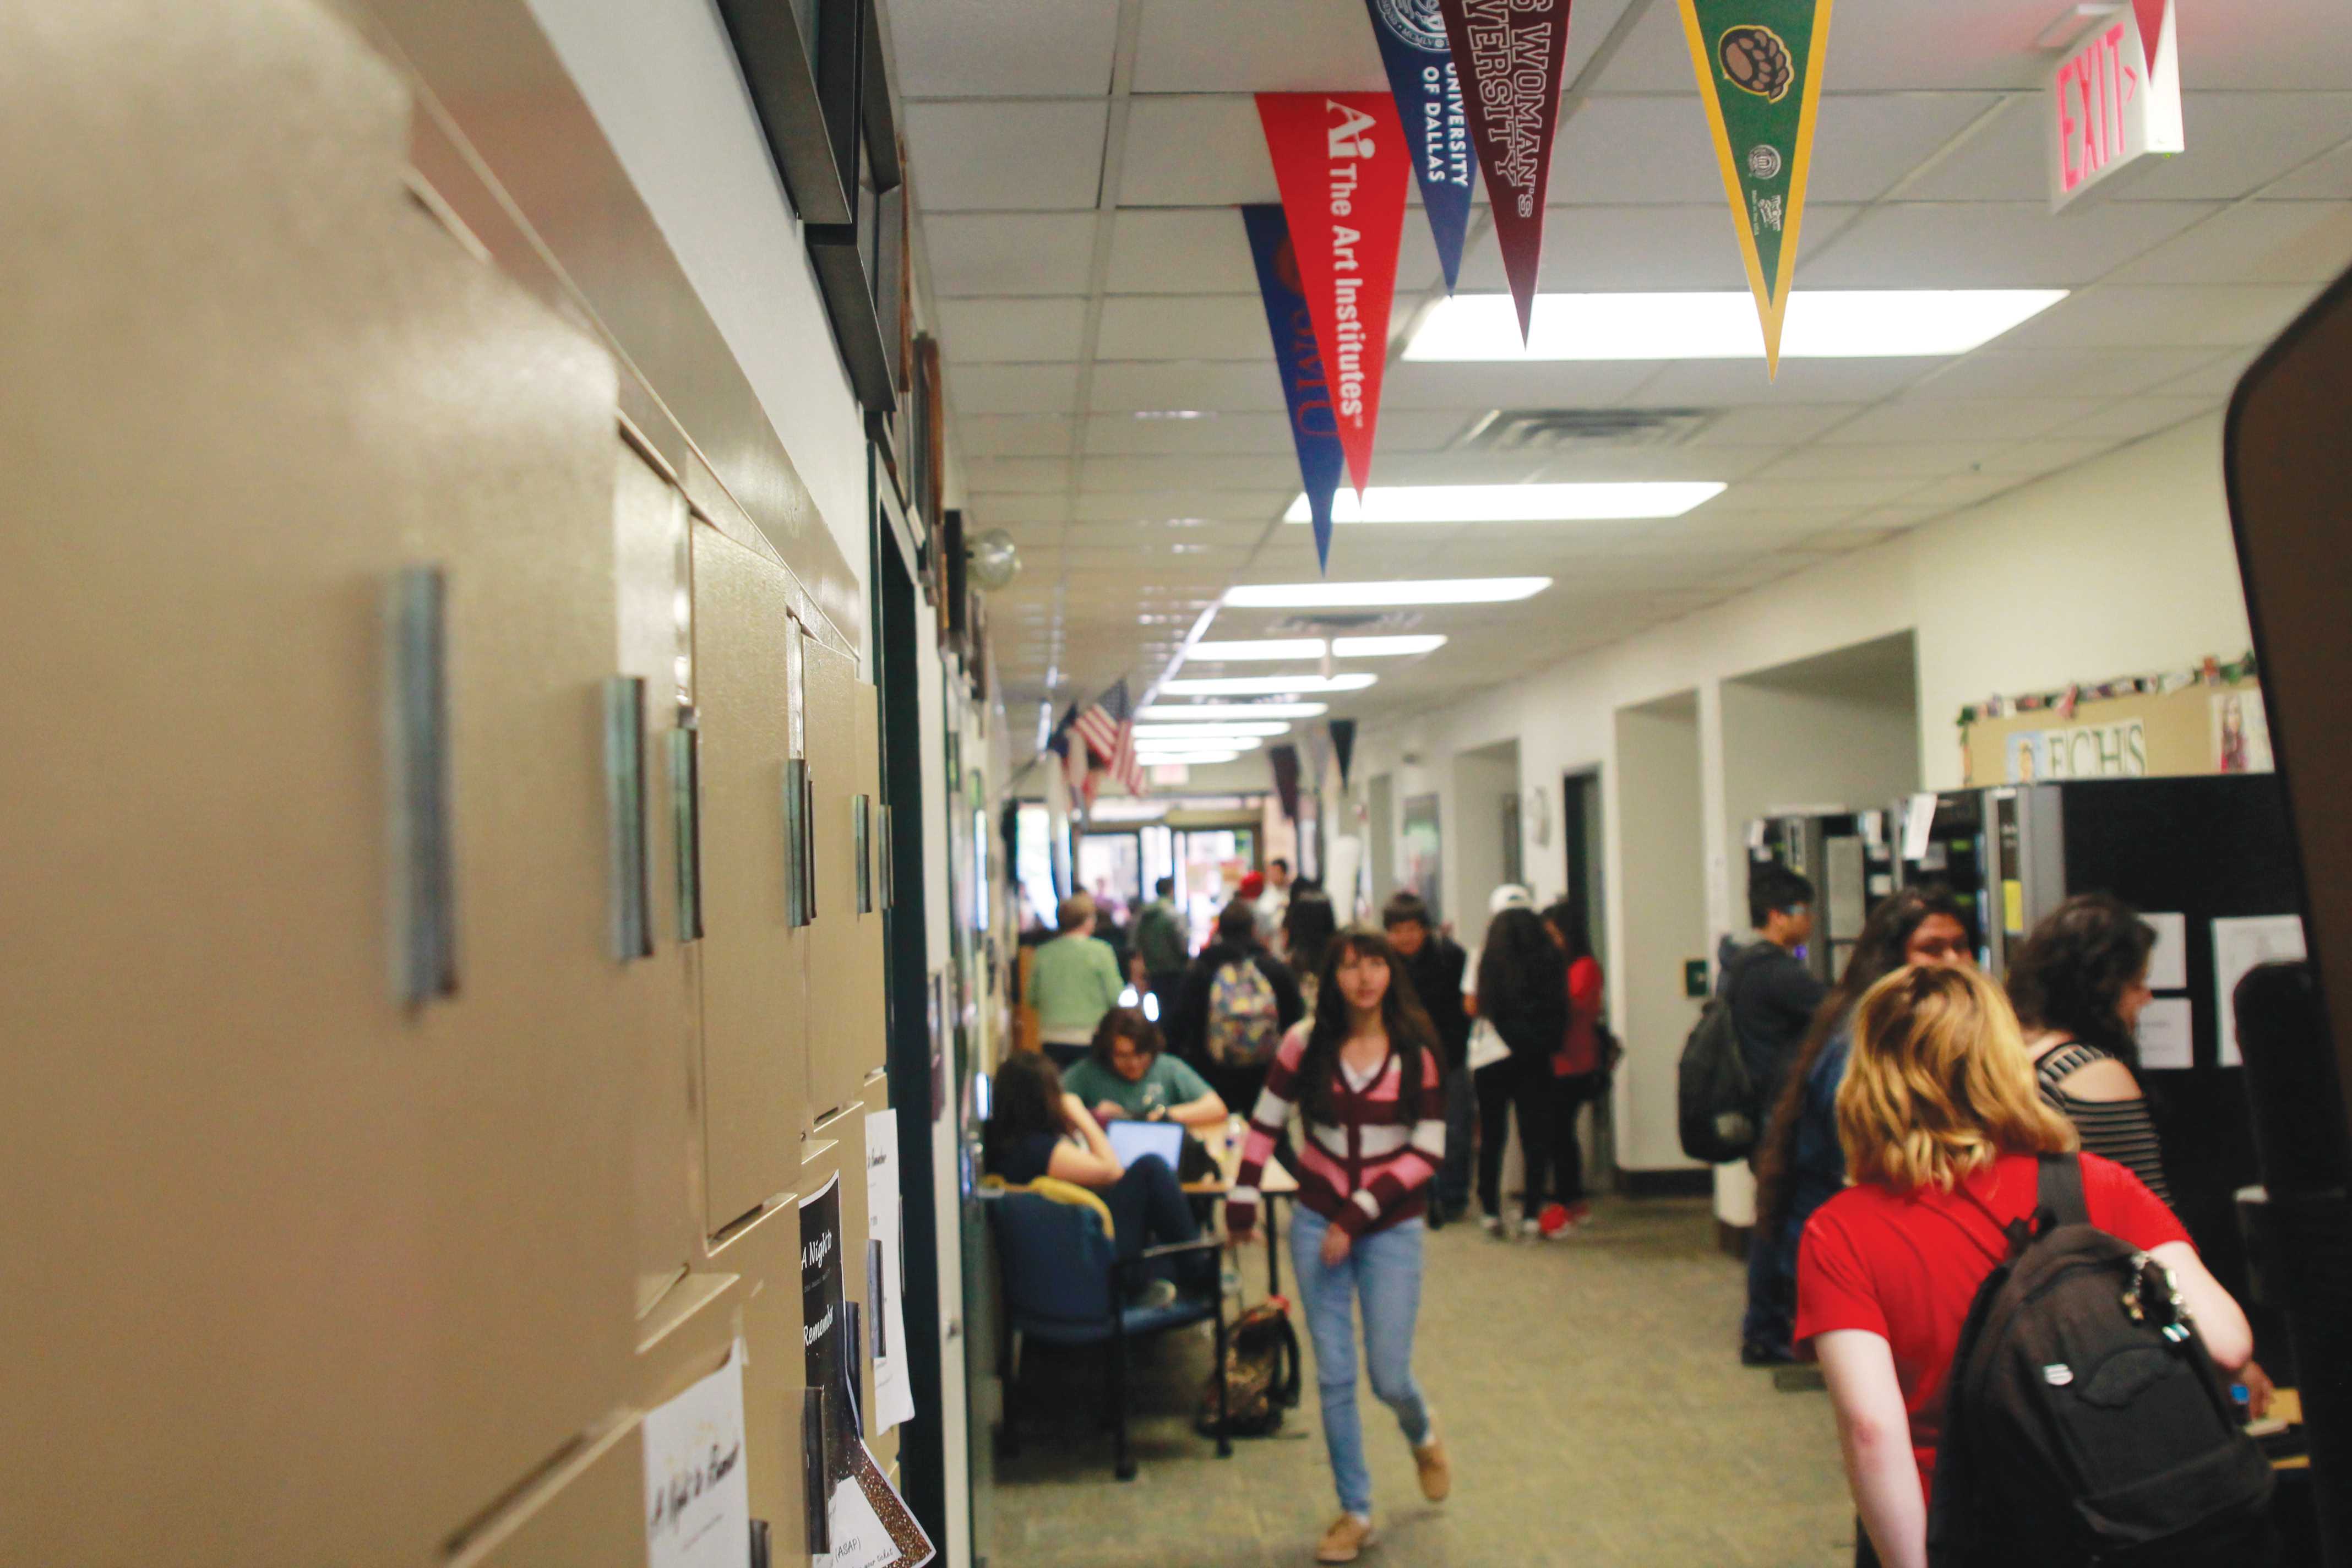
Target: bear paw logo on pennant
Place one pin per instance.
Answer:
(1754, 59)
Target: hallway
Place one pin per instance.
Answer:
(1596, 1413)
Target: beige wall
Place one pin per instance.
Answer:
(2122, 565)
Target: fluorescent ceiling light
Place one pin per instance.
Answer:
(1264, 685)
(1515, 503)
(1412, 591)
(1146, 734)
(1268, 648)
(1852, 324)
(1213, 742)
(1187, 759)
(1210, 712)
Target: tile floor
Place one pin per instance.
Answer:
(1590, 1391)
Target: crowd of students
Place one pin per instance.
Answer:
(1914, 1110)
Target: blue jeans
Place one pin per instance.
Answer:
(1461, 1134)
(1384, 1269)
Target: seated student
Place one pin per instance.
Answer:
(1943, 1129)
(1129, 1077)
(1037, 1129)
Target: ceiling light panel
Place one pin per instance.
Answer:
(1185, 759)
(1264, 685)
(1213, 712)
(1146, 734)
(1401, 591)
(1849, 324)
(1269, 649)
(1515, 503)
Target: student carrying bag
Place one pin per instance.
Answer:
(2084, 1423)
(1715, 1097)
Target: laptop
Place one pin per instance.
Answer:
(1131, 1140)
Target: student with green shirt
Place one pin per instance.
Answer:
(1129, 1077)
(1073, 982)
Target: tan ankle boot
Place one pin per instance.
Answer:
(1347, 1536)
(1436, 1469)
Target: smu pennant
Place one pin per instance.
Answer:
(1511, 54)
(1412, 35)
(1340, 159)
(1313, 426)
(1758, 64)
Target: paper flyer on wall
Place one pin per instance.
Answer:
(894, 1392)
(2238, 945)
(697, 1500)
(824, 1331)
(871, 1524)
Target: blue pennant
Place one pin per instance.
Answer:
(1304, 388)
(1429, 101)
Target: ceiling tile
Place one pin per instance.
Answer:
(1011, 156)
(1868, 141)
(2326, 176)
(1716, 383)
(2134, 417)
(1632, 250)
(972, 49)
(1893, 45)
(2253, 242)
(1923, 460)
(1032, 476)
(1111, 433)
(1014, 436)
(1195, 152)
(1565, 384)
(1799, 497)
(1772, 424)
(1636, 150)
(1259, 505)
(2115, 317)
(1247, 46)
(2036, 457)
(2239, 142)
(1010, 253)
(2056, 372)
(981, 331)
(1918, 419)
(2217, 378)
(1979, 244)
(1189, 475)
(1180, 251)
(1013, 388)
(1170, 327)
(1225, 385)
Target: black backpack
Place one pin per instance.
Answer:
(2084, 1423)
(1261, 1369)
(1715, 1097)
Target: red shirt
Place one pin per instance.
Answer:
(1580, 1051)
(1905, 1266)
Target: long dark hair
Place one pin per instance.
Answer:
(2073, 970)
(1516, 961)
(1410, 1032)
(1878, 952)
(1027, 1101)
(1307, 926)
(1567, 918)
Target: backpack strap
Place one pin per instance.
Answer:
(2062, 1062)
(2059, 1189)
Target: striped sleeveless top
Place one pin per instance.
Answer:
(2119, 1130)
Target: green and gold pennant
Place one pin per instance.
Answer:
(1758, 64)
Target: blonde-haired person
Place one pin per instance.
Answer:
(1943, 1126)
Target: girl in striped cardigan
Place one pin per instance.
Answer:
(1365, 1075)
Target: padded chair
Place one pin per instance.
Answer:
(1065, 1284)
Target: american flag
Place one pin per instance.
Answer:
(1108, 728)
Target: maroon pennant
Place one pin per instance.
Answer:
(1511, 55)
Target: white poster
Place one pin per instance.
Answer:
(1919, 826)
(698, 1504)
(2165, 1038)
(2168, 963)
(2238, 946)
(893, 1393)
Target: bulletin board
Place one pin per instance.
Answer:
(2195, 727)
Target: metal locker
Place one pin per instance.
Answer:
(755, 1033)
(767, 1254)
(589, 1513)
(868, 1001)
(835, 976)
(308, 1133)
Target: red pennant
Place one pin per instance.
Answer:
(2150, 15)
(1342, 162)
(1511, 56)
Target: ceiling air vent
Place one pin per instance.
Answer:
(1550, 430)
(1346, 622)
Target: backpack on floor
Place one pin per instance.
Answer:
(2084, 1423)
(1261, 1370)
(1244, 1021)
(1715, 1097)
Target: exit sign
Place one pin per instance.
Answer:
(2114, 101)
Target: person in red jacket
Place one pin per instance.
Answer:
(1943, 1128)
(1579, 1068)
